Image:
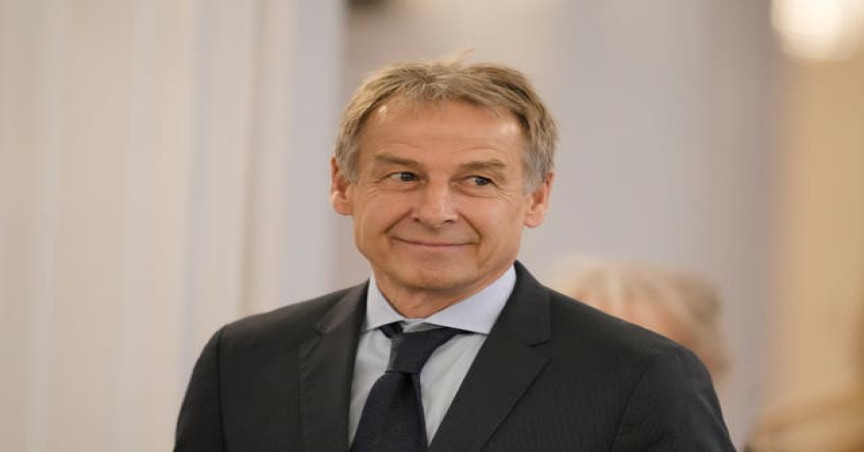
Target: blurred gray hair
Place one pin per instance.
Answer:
(690, 304)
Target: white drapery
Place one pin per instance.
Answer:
(151, 155)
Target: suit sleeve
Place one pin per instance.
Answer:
(199, 426)
(673, 407)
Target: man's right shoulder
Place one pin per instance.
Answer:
(297, 320)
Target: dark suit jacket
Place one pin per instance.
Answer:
(553, 375)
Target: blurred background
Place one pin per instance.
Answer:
(164, 170)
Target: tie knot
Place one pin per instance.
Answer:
(410, 351)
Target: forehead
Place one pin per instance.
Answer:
(399, 121)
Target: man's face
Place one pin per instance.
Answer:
(438, 203)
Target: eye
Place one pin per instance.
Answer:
(480, 180)
(403, 176)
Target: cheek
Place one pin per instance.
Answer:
(378, 211)
(501, 220)
(507, 211)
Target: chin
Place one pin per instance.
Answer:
(444, 279)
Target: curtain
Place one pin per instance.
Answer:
(163, 170)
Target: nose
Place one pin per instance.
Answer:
(435, 206)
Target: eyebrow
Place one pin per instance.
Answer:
(395, 160)
(492, 164)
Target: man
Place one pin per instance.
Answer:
(441, 166)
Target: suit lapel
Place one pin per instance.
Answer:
(504, 369)
(327, 366)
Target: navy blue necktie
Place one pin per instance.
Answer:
(392, 419)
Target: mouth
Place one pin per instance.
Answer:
(432, 245)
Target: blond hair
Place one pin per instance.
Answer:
(494, 87)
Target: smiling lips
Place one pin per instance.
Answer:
(431, 244)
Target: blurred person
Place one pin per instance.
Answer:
(451, 344)
(674, 303)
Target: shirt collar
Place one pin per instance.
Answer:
(476, 313)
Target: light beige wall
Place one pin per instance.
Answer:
(817, 319)
(821, 269)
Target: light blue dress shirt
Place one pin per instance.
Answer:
(446, 368)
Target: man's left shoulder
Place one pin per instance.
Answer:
(661, 385)
(579, 331)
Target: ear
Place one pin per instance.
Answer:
(539, 202)
(341, 190)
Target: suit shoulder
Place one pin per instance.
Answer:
(581, 326)
(298, 319)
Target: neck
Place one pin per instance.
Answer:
(422, 302)
(419, 304)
